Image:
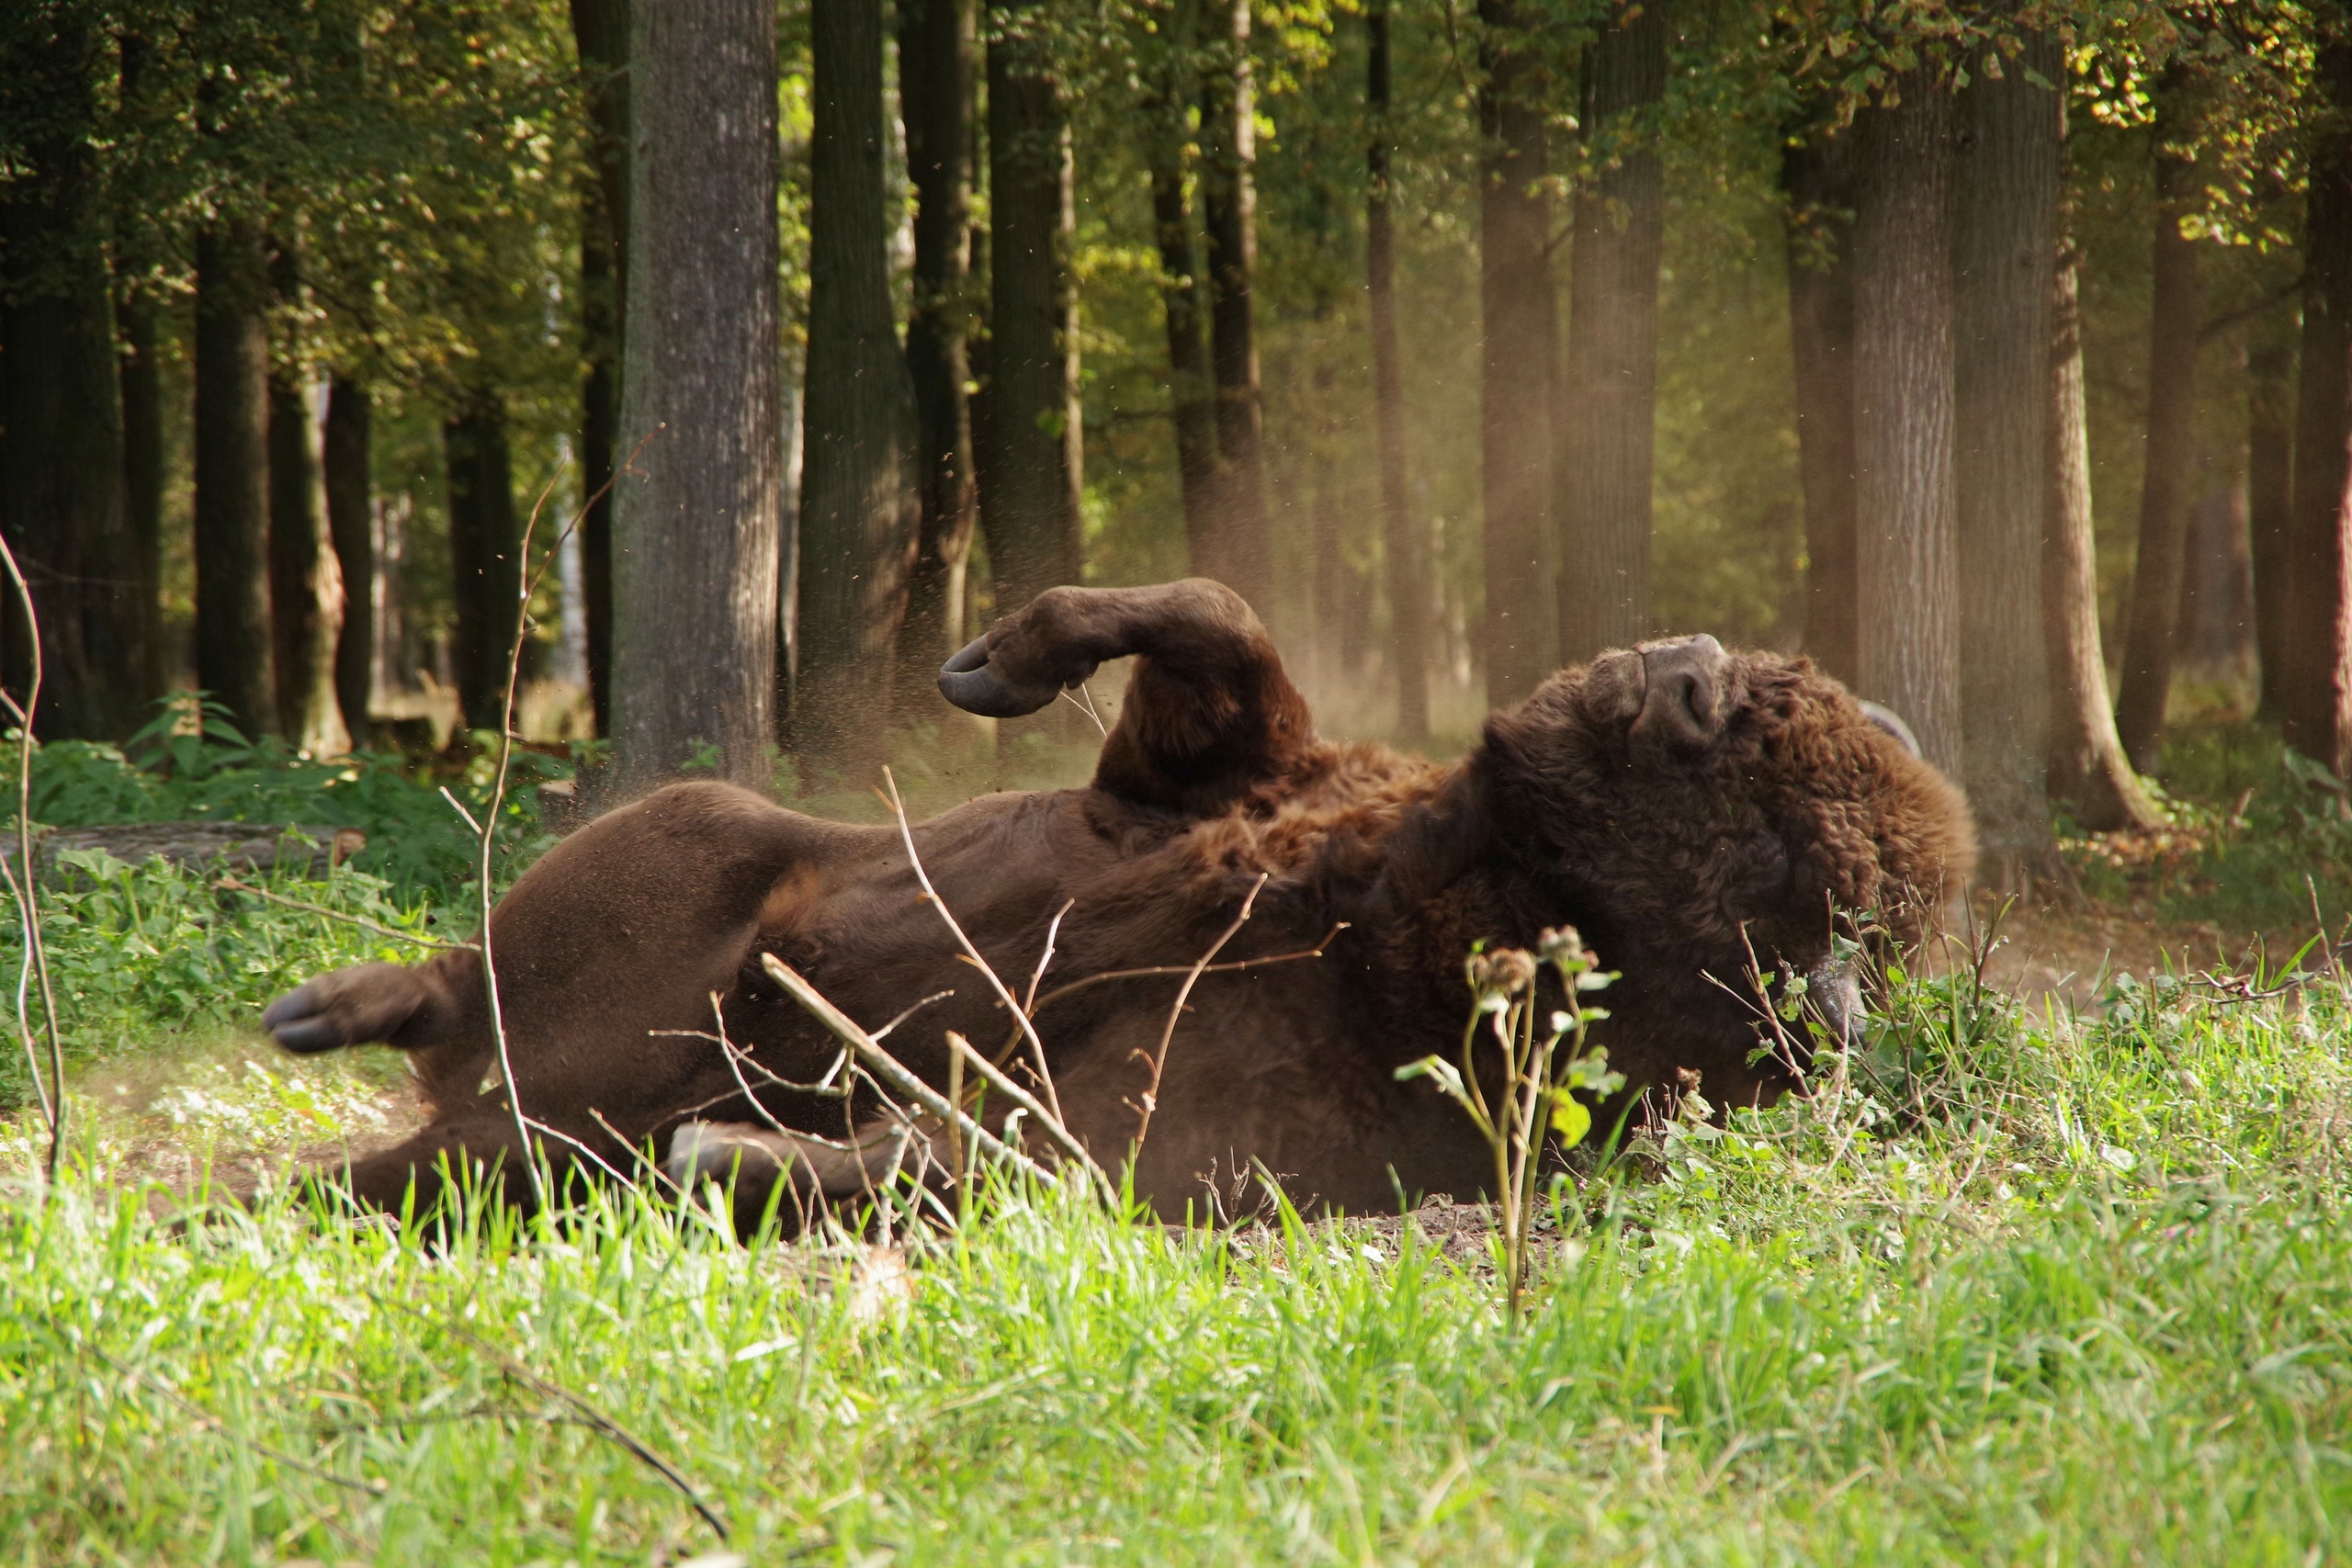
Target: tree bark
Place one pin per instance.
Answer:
(346, 461)
(860, 514)
(1519, 335)
(1192, 388)
(2088, 768)
(62, 484)
(1607, 437)
(232, 440)
(2175, 313)
(1244, 560)
(142, 473)
(485, 567)
(1029, 508)
(936, 94)
(600, 33)
(1405, 546)
(305, 584)
(2004, 263)
(2270, 497)
(1907, 559)
(2318, 689)
(1817, 177)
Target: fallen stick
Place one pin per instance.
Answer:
(1050, 1125)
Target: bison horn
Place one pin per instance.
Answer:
(1682, 691)
(972, 683)
(1886, 718)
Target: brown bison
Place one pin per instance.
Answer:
(1680, 806)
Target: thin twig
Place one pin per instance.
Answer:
(1150, 970)
(233, 885)
(888, 1069)
(1053, 929)
(36, 960)
(994, 1077)
(907, 837)
(1159, 1059)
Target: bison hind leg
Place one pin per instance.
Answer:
(814, 1173)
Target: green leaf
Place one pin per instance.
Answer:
(1570, 1119)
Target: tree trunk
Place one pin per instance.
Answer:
(2318, 689)
(62, 483)
(1906, 560)
(2004, 262)
(1817, 177)
(142, 473)
(2175, 313)
(2088, 768)
(346, 464)
(1404, 546)
(1608, 426)
(485, 567)
(233, 637)
(859, 510)
(1192, 389)
(1244, 560)
(935, 97)
(305, 582)
(2270, 497)
(600, 33)
(1519, 334)
(1030, 509)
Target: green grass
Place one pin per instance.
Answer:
(2025, 1289)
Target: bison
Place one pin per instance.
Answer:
(1701, 817)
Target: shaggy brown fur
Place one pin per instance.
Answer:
(1662, 800)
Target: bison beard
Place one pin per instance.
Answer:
(1678, 805)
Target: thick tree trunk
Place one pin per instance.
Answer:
(1030, 506)
(859, 510)
(2088, 768)
(62, 486)
(1817, 177)
(233, 637)
(1244, 560)
(1607, 435)
(143, 475)
(1405, 546)
(305, 584)
(2003, 265)
(346, 464)
(485, 566)
(2270, 497)
(1191, 389)
(600, 33)
(2318, 689)
(695, 543)
(1519, 335)
(1906, 559)
(935, 96)
(2175, 315)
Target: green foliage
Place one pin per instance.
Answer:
(417, 842)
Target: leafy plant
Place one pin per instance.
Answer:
(1539, 1085)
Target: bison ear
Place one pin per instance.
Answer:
(973, 683)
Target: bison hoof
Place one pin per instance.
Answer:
(302, 1020)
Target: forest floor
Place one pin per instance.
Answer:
(2059, 1274)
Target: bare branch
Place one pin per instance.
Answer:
(1052, 1124)
(1159, 1057)
(36, 961)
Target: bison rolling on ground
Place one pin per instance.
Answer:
(1680, 806)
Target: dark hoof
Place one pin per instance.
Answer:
(300, 1022)
(971, 683)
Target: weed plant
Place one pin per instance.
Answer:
(2007, 1287)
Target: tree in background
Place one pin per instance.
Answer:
(600, 31)
(485, 551)
(1817, 180)
(1169, 62)
(1404, 543)
(2318, 687)
(1907, 563)
(1605, 448)
(2007, 248)
(695, 541)
(347, 447)
(305, 578)
(936, 40)
(2270, 495)
(1031, 474)
(2174, 321)
(1518, 331)
(1244, 556)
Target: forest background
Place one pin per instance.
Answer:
(1996, 355)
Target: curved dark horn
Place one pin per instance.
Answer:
(1886, 718)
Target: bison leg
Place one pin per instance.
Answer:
(1209, 713)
